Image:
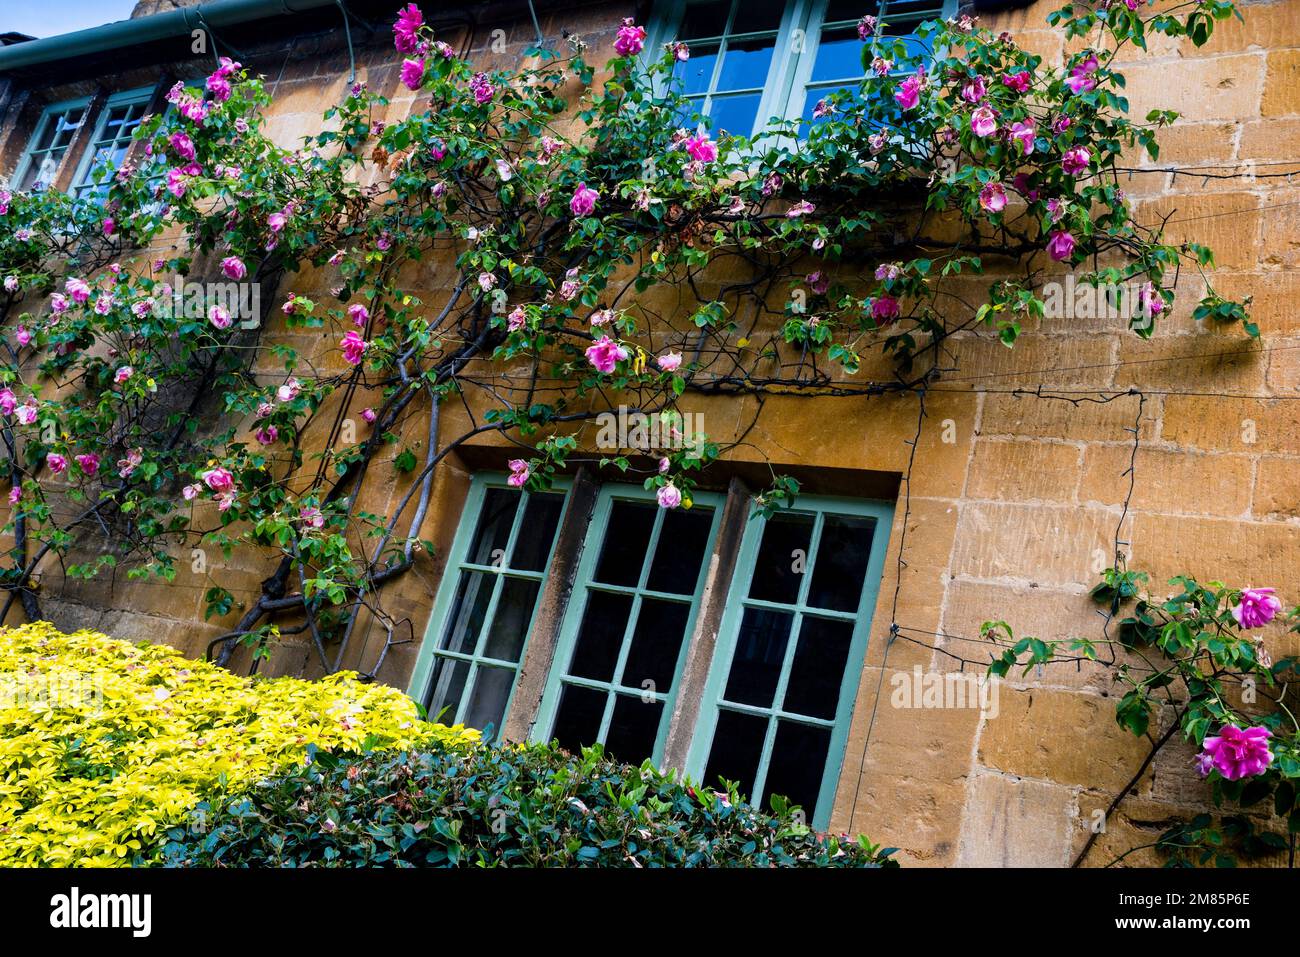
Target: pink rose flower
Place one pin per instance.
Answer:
(266, 435)
(88, 462)
(1238, 753)
(1257, 607)
(234, 268)
(606, 354)
(983, 122)
(368, 414)
(23, 335)
(354, 347)
(909, 91)
(405, 30)
(519, 472)
(801, 208)
(1060, 246)
(289, 391)
(669, 361)
(482, 88)
(219, 317)
(8, 401)
(669, 496)
(56, 462)
(122, 374)
(312, 516)
(28, 411)
(218, 479)
(1023, 135)
(993, 197)
(702, 149)
(1075, 162)
(129, 464)
(974, 91)
(78, 290)
(1017, 81)
(584, 200)
(359, 315)
(413, 72)
(630, 40)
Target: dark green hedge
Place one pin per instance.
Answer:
(527, 806)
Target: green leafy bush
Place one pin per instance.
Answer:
(530, 805)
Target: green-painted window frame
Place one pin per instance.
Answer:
(793, 57)
(457, 562)
(585, 583)
(82, 184)
(738, 600)
(51, 114)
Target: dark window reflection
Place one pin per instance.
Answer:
(601, 635)
(782, 557)
(797, 764)
(737, 747)
(633, 728)
(818, 667)
(626, 539)
(760, 649)
(680, 554)
(577, 721)
(841, 566)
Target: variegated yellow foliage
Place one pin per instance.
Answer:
(105, 744)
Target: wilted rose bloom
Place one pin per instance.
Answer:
(664, 465)
(219, 317)
(312, 516)
(234, 268)
(983, 122)
(126, 466)
(1075, 161)
(482, 88)
(353, 346)
(56, 462)
(444, 49)
(142, 308)
(772, 184)
(11, 283)
(191, 492)
(867, 27)
(504, 172)
(78, 290)
(279, 219)
(88, 462)
(413, 72)
(1055, 209)
(486, 281)
(123, 373)
(368, 414)
(801, 208)
(176, 183)
(681, 52)
(669, 496)
(8, 401)
(993, 197)
(1239, 753)
(583, 201)
(5, 197)
(519, 472)
(1081, 79)
(515, 321)
(218, 479)
(1150, 302)
(23, 335)
(28, 411)
(606, 354)
(878, 140)
(1060, 246)
(409, 21)
(289, 391)
(818, 282)
(881, 67)
(1257, 607)
(266, 435)
(702, 149)
(108, 225)
(359, 315)
(264, 409)
(630, 40)
(1023, 134)
(669, 361)
(15, 495)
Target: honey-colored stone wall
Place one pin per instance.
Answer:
(1014, 499)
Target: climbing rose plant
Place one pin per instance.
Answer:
(1193, 664)
(136, 431)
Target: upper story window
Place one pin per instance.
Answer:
(117, 123)
(40, 162)
(767, 704)
(753, 60)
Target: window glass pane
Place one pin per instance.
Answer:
(626, 540)
(467, 614)
(578, 720)
(487, 704)
(541, 519)
(745, 65)
(513, 616)
(838, 10)
(697, 73)
(679, 556)
(444, 691)
(656, 644)
(839, 56)
(841, 565)
(754, 16)
(703, 20)
(760, 650)
(492, 534)
(797, 763)
(737, 748)
(782, 555)
(734, 114)
(633, 728)
(818, 667)
(66, 126)
(600, 636)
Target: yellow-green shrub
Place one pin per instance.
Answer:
(105, 744)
